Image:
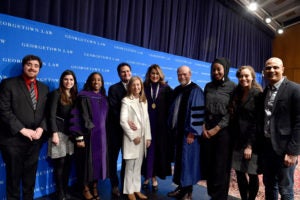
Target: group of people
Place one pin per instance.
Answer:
(204, 133)
(251, 130)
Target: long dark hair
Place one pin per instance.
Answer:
(65, 100)
(88, 84)
(160, 73)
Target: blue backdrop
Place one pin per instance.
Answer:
(62, 49)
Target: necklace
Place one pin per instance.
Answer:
(153, 105)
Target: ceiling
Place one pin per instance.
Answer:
(284, 13)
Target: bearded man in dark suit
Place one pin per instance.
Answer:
(22, 123)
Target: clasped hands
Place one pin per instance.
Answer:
(32, 134)
(211, 132)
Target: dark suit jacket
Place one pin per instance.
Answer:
(285, 119)
(244, 124)
(59, 114)
(116, 93)
(16, 110)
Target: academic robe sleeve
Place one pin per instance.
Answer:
(195, 112)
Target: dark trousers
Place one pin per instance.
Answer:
(248, 189)
(219, 165)
(62, 168)
(277, 177)
(21, 166)
(115, 146)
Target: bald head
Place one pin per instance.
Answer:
(274, 69)
(184, 75)
(276, 60)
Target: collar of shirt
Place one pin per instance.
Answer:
(28, 82)
(125, 85)
(278, 84)
(187, 83)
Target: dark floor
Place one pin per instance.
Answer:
(165, 186)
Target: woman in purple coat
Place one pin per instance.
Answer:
(158, 160)
(90, 133)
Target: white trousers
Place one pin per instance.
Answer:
(132, 179)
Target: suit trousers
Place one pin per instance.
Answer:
(115, 145)
(132, 179)
(21, 166)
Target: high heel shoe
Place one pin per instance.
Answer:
(140, 195)
(154, 186)
(96, 194)
(131, 197)
(87, 195)
(145, 186)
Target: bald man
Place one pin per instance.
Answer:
(281, 131)
(186, 121)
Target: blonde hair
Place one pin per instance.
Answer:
(142, 97)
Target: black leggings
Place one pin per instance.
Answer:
(248, 189)
(62, 168)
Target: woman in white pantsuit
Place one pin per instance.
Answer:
(134, 120)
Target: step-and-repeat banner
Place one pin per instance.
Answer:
(62, 49)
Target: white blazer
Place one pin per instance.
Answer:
(130, 111)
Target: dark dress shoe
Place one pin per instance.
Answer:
(60, 196)
(115, 191)
(176, 193)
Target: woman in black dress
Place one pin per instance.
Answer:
(159, 96)
(60, 146)
(244, 112)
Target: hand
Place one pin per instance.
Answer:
(38, 133)
(190, 138)
(205, 133)
(137, 140)
(248, 153)
(55, 138)
(80, 144)
(290, 160)
(132, 125)
(214, 131)
(148, 143)
(27, 133)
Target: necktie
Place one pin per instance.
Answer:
(32, 95)
(268, 109)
